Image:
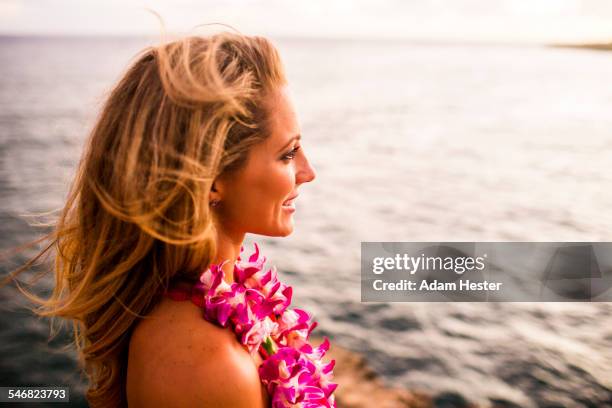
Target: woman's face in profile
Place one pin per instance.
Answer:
(260, 197)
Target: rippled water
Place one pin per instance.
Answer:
(412, 142)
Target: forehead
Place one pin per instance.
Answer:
(282, 118)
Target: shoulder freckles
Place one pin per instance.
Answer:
(226, 379)
(195, 363)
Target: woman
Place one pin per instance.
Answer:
(196, 146)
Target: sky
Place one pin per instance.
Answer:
(513, 21)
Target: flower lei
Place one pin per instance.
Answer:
(256, 307)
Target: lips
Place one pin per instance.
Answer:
(289, 202)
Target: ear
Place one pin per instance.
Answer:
(216, 190)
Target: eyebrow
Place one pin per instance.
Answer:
(296, 137)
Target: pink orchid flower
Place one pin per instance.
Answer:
(256, 307)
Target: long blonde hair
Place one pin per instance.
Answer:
(137, 215)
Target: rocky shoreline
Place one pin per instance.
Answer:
(593, 46)
(360, 387)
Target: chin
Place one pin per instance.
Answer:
(285, 231)
(275, 231)
(274, 228)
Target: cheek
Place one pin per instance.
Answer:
(257, 200)
(274, 186)
(284, 183)
(290, 179)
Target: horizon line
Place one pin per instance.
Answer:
(348, 38)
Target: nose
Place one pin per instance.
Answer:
(306, 172)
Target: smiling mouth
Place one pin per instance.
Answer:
(290, 203)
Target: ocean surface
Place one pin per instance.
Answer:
(411, 142)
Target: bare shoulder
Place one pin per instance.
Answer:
(177, 359)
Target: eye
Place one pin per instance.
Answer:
(291, 154)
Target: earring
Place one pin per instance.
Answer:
(214, 203)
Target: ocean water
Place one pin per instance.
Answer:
(411, 142)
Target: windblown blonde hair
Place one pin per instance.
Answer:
(137, 215)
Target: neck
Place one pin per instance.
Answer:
(228, 249)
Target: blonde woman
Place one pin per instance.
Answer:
(197, 145)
